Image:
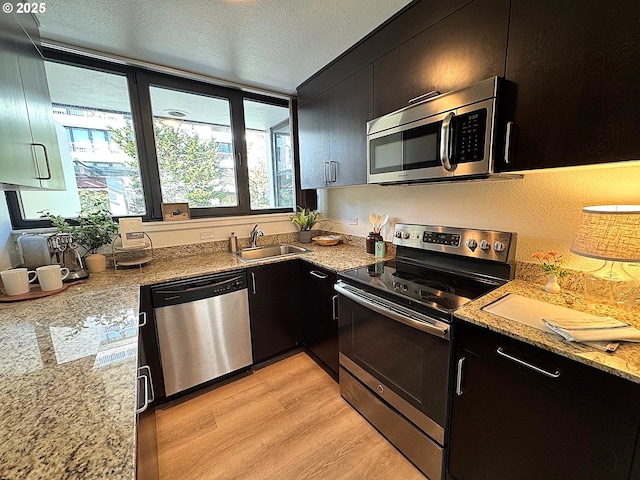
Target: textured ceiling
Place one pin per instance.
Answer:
(267, 44)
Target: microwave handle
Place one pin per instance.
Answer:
(445, 139)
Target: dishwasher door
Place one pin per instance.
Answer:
(203, 329)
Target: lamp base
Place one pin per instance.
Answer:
(612, 284)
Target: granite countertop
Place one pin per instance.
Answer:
(624, 362)
(68, 367)
(68, 362)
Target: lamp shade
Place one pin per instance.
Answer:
(609, 232)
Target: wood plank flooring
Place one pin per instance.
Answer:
(285, 421)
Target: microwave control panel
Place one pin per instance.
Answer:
(469, 130)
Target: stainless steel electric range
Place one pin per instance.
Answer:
(395, 330)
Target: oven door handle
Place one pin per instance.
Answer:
(434, 327)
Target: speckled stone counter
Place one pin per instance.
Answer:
(624, 362)
(68, 361)
(67, 385)
(68, 367)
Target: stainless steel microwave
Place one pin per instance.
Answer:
(456, 135)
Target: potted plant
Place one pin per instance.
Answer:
(551, 264)
(305, 219)
(95, 228)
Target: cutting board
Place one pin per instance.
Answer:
(531, 312)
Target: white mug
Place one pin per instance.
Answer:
(16, 281)
(51, 276)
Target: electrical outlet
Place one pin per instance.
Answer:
(206, 235)
(352, 220)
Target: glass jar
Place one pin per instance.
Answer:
(371, 240)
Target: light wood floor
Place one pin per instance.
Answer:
(285, 421)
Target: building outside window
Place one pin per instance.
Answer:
(196, 153)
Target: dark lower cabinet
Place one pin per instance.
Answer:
(274, 292)
(575, 66)
(464, 48)
(318, 316)
(146, 391)
(520, 412)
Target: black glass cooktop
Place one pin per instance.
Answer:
(430, 287)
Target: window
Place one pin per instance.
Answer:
(189, 131)
(269, 159)
(90, 107)
(132, 139)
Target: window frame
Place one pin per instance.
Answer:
(139, 80)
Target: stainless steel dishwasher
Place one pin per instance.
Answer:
(203, 329)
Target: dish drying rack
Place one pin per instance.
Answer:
(131, 256)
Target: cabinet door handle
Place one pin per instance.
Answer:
(46, 159)
(326, 176)
(459, 377)
(501, 352)
(333, 171)
(239, 158)
(149, 395)
(334, 307)
(445, 138)
(318, 274)
(142, 315)
(253, 282)
(507, 143)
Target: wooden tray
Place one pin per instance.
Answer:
(37, 293)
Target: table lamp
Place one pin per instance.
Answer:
(610, 233)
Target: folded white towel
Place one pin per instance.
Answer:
(586, 329)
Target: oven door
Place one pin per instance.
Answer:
(401, 355)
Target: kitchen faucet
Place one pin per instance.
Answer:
(255, 233)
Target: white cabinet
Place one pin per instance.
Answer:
(29, 153)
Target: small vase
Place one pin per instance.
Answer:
(552, 284)
(305, 236)
(96, 263)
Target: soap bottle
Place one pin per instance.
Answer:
(233, 242)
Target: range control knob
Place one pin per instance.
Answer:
(498, 246)
(471, 243)
(398, 234)
(405, 235)
(484, 245)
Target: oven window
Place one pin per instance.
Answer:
(412, 363)
(389, 353)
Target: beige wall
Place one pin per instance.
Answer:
(543, 208)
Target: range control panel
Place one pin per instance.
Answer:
(486, 244)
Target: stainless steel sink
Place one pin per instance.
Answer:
(268, 251)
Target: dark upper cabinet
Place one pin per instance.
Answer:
(466, 47)
(318, 316)
(575, 66)
(332, 133)
(273, 308)
(29, 153)
(563, 421)
(413, 19)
